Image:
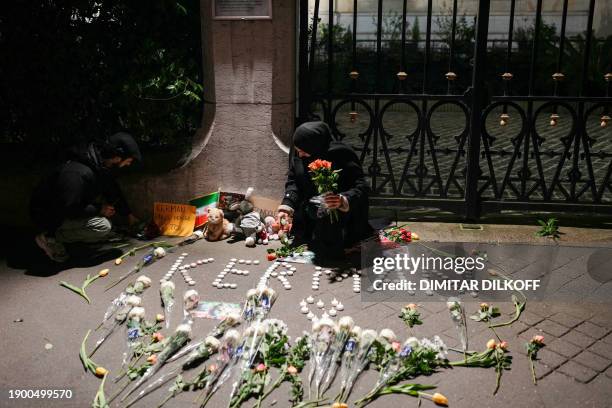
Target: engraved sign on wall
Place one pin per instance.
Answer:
(242, 9)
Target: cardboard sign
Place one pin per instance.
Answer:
(266, 206)
(174, 220)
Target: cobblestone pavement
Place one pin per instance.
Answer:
(574, 368)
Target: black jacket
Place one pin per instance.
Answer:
(76, 189)
(299, 188)
(351, 183)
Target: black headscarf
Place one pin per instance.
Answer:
(313, 138)
(123, 145)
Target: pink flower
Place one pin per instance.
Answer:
(396, 346)
(503, 345)
(292, 370)
(261, 367)
(538, 339)
(491, 344)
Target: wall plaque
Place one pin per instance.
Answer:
(242, 9)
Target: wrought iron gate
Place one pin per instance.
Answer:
(456, 147)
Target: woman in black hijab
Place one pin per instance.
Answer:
(311, 141)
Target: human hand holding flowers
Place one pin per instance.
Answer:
(326, 181)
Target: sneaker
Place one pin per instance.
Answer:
(54, 250)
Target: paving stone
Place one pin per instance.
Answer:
(592, 330)
(550, 358)
(603, 319)
(566, 319)
(577, 371)
(592, 360)
(578, 338)
(603, 349)
(609, 372)
(531, 318)
(565, 348)
(607, 339)
(550, 327)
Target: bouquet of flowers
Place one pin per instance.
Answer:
(329, 367)
(494, 356)
(191, 299)
(151, 256)
(357, 354)
(201, 354)
(457, 315)
(229, 352)
(533, 346)
(166, 291)
(258, 303)
(323, 336)
(326, 181)
(180, 337)
(397, 363)
(134, 331)
(137, 288)
(131, 301)
(218, 331)
(410, 315)
(272, 352)
(290, 369)
(399, 235)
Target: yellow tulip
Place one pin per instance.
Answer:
(101, 371)
(103, 273)
(118, 261)
(439, 399)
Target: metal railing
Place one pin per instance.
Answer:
(464, 150)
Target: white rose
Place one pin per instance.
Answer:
(159, 252)
(137, 313)
(146, 281)
(133, 300)
(388, 335)
(346, 323)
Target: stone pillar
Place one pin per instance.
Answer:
(249, 83)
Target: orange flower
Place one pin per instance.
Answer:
(319, 164)
(157, 337)
(103, 273)
(152, 359)
(411, 306)
(292, 370)
(439, 399)
(101, 371)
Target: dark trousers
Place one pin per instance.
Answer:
(328, 238)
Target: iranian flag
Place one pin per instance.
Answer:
(202, 204)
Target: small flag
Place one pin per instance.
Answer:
(202, 204)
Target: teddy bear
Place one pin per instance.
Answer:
(217, 227)
(248, 222)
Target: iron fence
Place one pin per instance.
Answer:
(477, 146)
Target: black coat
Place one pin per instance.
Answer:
(352, 184)
(76, 189)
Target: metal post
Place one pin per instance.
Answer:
(472, 197)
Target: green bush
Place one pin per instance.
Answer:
(77, 70)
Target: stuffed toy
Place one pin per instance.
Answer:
(248, 222)
(284, 228)
(272, 228)
(217, 227)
